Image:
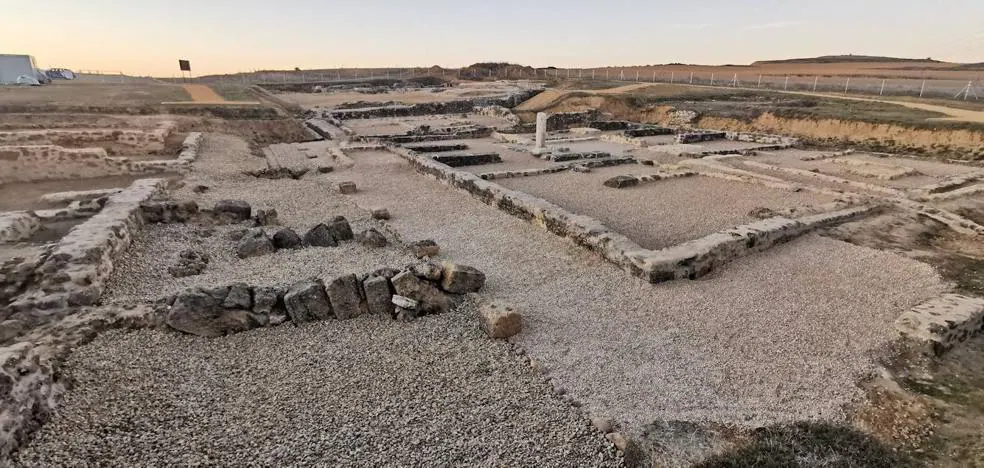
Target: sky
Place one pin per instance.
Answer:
(143, 37)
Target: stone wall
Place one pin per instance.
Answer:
(689, 260)
(148, 139)
(429, 108)
(75, 272)
(939, 324)
(565, 120)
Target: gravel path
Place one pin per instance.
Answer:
(363, 392)
(663, 213)
(778, 336)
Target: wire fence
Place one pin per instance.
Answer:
(872, 86)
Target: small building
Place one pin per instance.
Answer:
(13, 67)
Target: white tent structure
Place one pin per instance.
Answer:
(14, 67)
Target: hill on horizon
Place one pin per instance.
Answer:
(846, 58)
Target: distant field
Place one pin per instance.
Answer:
(86, 94)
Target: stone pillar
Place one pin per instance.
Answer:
(541, 132)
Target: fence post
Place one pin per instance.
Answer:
(691, 77)
(922, 88)
(759, 85)
(882, 90)
(785, 85)
(848, 83)
(654, 77)
(816, 79)
(637, 75)
(712, 79)
(592, 74)
(671, 77)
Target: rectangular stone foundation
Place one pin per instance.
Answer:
(939, 324)
(689, 260)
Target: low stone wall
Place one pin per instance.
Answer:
(629, 180)
(700, 136)
(564, 157)
(429, 108)
(75, 272)
(647, 131)
(764, 138)
(29, 367)
(689, 260)
(559, 168)
(149, 139)
(565, 120)
(18, 225)
(49, 162)
(79, 195)
(939, 324)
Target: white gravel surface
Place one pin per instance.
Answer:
(363, 392)
(662, 213)
(778, 336)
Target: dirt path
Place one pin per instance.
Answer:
(202, 93)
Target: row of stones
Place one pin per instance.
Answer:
(940, 323)
(629, 180)
(689, 260)
(448, 107)
(577, 166)
(417, 290)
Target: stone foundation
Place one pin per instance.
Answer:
(689, 260)
(75, 272)
(468, 159)
(941, 323)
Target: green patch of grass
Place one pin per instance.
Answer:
(809, 444)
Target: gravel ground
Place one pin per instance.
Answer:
(662, 213)
(363, 392)
(778, 336)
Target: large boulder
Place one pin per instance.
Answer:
(306, 301)
(200, 312)
(234, 210)
(379, 295)
(340, 229)
(286, 238)
(320, 236)
(254, 243)
(461, 279)
(430, 299)
(345, 295)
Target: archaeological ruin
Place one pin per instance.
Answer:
(447, 274)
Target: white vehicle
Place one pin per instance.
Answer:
(20, 69)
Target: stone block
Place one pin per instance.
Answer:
(461, 279)
(306, 301)
(340, 229)
(345, 296)
(424, 249)
(499, 321)
(372, 238)
(347, 188)
(254, 243)
(286, 238)
(236, 210)
(379, 295)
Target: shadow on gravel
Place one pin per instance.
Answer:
(809, 445)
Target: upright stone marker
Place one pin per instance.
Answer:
(541, 133)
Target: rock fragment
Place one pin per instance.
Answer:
(372, 238)
(499, 321)
(286, 238)
(190, 262)
(430, 299)
(320, 236)
(340, 229)
(424, 248)
(461, 279)
(380, 213)
(347, 188)
(254, 243)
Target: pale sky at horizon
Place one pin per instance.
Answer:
(226, 36)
